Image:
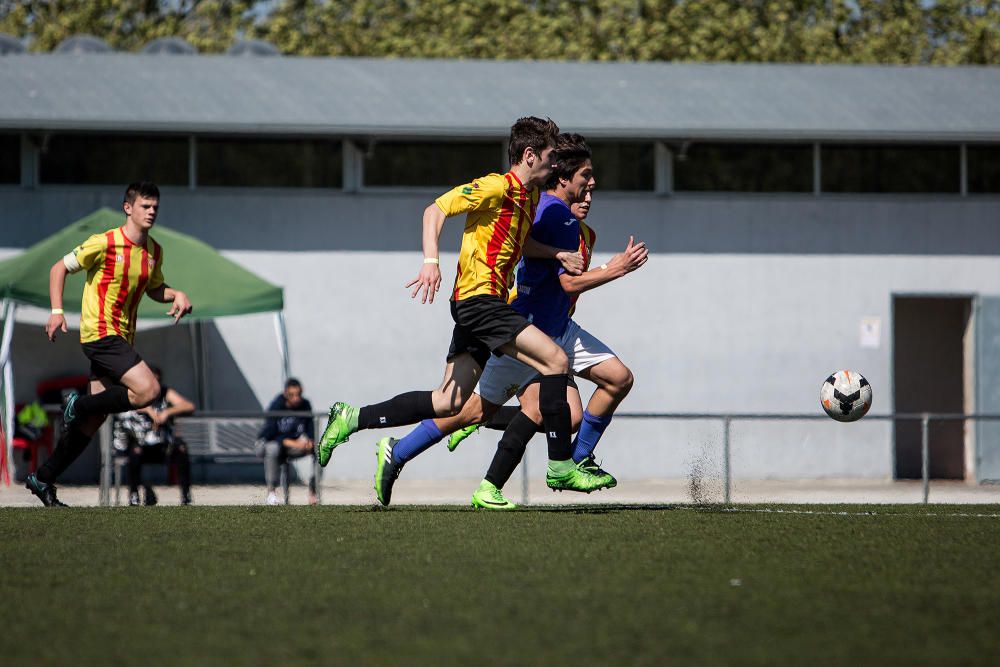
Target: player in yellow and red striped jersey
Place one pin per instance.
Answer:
(122, 265)
(499, 210)
(547, 296)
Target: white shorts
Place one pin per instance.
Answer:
(504, 376)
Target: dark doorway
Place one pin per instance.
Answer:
(929, 343)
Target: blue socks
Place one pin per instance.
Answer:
(591, 430)
(420, 438)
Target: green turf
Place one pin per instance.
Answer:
(567, 586)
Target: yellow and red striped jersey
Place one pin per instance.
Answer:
(587, 239)
(500, 212)
(118, 274)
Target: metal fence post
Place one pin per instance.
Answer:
(317, 471)
(925, 456)
(727, 480)
(104, 435)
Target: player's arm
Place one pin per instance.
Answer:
(57, 283)
(429, 278)
(181, 304)
(571, 260)
(625, 262)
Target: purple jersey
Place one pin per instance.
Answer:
(540, 296)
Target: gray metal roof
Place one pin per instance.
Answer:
(479, 98)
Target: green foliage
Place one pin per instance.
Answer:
(127, 25)
(800, 31)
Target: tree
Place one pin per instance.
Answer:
(799, 31)
(127, 25)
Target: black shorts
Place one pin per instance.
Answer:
(482, 324)
(110, 357)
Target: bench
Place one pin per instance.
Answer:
(216, 440)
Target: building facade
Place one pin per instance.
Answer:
(801, 219)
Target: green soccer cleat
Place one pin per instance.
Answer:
(489, 497)
(579, 479)
(460, 435)
(386, 471)
(343, 422)
(590, 465)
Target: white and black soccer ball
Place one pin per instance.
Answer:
(846, 396)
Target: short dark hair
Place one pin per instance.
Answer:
(292, 382)
(530, 132)
(144, 189)
(572, 152)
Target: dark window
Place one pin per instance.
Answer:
(744, 168)
(854, 168)
(274, 163)
(10, 158)
(430, 164)
(624, 166)
(983, 168)
(107, 160)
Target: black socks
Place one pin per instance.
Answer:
(510, 451)
(556, 416)
(111, 401)
(408, 408)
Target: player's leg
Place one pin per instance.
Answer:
(614, 380)
(534, 348)
(393, 454)
(460, 377)
(512, 445)
(71, 444)
(134, 386)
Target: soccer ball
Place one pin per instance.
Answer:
(846, 396)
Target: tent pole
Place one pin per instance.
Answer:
(282, 334)
(196, 362)
(7, 367)
(203, 349)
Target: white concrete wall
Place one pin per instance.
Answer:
(747, 304)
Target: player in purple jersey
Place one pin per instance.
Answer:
(546, 296)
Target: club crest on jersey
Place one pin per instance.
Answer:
(119, 258)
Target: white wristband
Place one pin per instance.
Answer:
(57, 311)
(431, 260)
(604, 267)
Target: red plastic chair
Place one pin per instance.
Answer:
(43, 441)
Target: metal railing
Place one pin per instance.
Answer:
(215, 442)
(925, 418)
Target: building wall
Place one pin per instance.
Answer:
(746, 305)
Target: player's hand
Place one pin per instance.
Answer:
(428, 281)
(180, 307)
(571, 261)
(627, 261)
(55, 323)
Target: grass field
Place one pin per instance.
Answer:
(564, 586)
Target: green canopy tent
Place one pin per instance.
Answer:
(217, 287)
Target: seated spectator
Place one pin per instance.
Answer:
(147, 436)
(284, 438)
